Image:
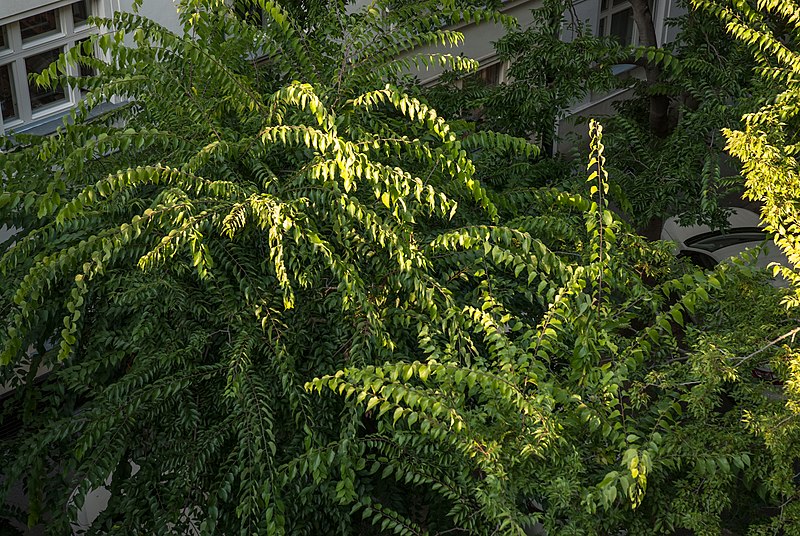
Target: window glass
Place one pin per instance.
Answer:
(39, 25)
(8, 101)
(490, 75)
(41, 96)
(3, 38)
(80, 12)
(622, 26)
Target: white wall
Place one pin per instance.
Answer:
(478, 38)
(9, 8)
(583, 11)
(164, 12)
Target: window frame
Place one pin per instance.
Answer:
(605, 15)
(17, 52)
(487, 65)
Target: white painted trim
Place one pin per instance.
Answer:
(51, 4)
(507, 6)
(18, 53)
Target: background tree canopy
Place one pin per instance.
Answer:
(665, 133)
(286, 297)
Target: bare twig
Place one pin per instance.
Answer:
(772, 343)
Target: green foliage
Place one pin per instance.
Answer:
(188, 259)
(767, 146)
(709, 80)
(680, 168)
(586, 411)
(280, 297)
(546, 75)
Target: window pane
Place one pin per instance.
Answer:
(622, 26)
(620, 2)
(603, 5)
(39, 25)
(490, 75)
(41, 96)
(3, 38)
(8, 100)
(80, 12)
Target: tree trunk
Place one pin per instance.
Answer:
(659, 104)
(652, 231)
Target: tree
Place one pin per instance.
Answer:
(766, 145)
(669, 158)
(709, 80)
(658, 116)
(187, 260)
(589, 413)
(546, 76)
(276, 297)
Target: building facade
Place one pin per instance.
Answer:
(32, 35)
(601, 17)
(34, 32)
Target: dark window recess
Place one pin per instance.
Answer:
(39, 25)
(42, 96)
(699, 259)
(489, 76)
(80, 12)
(9, 427)
(8, 101)
(622, 26)
(3, 38)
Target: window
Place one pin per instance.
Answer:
(41, 96)
(8, 98)
(85, 70)
(616, 20)
(490, 75)
(39, 26)
(28, 46)
(80, 13)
